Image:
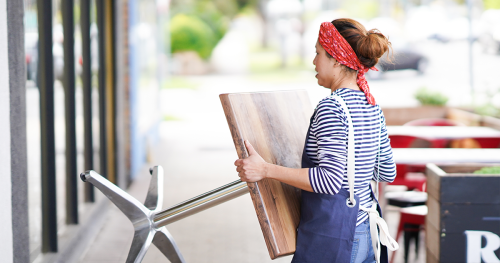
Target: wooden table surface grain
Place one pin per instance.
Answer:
(276, 124)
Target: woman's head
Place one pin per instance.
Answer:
(369, 46)
(346, 42)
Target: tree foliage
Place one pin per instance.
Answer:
(195, 15)
(189, 32)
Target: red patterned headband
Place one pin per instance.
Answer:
(336, 45)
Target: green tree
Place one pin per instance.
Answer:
(191, 33)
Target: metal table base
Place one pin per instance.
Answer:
(149, 221)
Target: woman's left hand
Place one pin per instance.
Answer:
(253, 168)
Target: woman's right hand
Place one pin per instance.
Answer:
(253, 168)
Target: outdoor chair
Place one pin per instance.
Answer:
(411, 222)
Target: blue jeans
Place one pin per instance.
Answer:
(362, 249)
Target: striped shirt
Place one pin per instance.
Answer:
(327, 147)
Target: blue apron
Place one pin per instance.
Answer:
(327, 224)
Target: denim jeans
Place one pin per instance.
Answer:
(362, 249)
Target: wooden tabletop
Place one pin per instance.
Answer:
(276, 124)
(444, 132)
(445, 155)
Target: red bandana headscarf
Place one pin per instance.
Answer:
(336, 45)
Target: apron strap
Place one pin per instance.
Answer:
(351, 159)
(373, 215)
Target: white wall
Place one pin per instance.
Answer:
(6, 245)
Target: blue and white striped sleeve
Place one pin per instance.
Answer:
(387, 171)
(330, 130)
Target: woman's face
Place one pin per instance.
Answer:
(325, 67)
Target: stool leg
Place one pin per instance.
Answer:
(417, 241)
(407, 238)
(400, 228)
(411, 231)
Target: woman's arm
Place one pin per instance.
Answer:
(385, 167)
(331, 149)
(254, 168)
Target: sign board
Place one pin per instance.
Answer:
(463, 222)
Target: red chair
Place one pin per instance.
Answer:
(404, 141)
(401, 141)
(411, 176)
(411, 222)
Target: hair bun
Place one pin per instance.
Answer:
(371, 47)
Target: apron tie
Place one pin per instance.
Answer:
(385, 238)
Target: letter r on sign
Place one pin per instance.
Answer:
(474, 250)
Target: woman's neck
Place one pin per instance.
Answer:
(349, 83)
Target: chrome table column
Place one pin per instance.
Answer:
(149, 222)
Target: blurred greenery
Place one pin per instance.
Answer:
(175, 82)
(428, 97)
(366, 9)
(488, 170)
(488, 108)
(491, 4)
(195, 15)
(189, 32)
(170, 118)
(228, 8)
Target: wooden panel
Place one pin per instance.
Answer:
(434, 174)
(432, 240)
(400, 116)
(457, 184)
(434, 213)
(459, 201)
(465, 117)
(464, 168)
(430, 258)
(276, 124)
(492, 122)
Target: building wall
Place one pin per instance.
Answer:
(14, 238)
(5, 186)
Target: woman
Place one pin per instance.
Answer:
(339, 216)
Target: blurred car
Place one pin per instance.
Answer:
(402, 59)
(490, 35)
(31, 53)
(404, 55)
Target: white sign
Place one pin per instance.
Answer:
(474, 250)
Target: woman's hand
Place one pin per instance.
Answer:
(253, 168)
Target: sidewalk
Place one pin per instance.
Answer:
(197, 154)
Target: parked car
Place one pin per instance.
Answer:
(490, 35)
(405, 56)
(400, 60)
